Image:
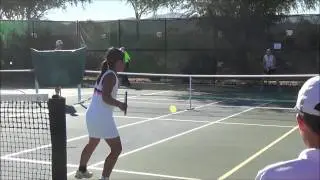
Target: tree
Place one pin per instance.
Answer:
(251, 18)
(242, 22)
(243, 7)
(143, 7)
(140, 7)
(32, 9)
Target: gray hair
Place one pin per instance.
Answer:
(59, 42)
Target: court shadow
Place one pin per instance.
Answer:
(71, 110)
(134, 87)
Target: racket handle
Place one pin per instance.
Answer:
(126, 102)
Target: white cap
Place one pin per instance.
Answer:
(122, 49)
(59, 43)
(308, 100)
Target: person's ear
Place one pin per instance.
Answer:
(302, 126)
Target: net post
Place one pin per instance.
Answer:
(57, 118)
(190, 91)
(36, 84)
(79, 93)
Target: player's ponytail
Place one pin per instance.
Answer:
(112, 56)
(104, 67)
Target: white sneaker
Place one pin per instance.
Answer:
(80, 175)
(102, 178)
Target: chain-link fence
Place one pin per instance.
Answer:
(195, 46)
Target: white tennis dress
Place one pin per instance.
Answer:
(99, 115)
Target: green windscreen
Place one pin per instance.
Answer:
(59, 67)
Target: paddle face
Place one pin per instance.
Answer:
(126, 102)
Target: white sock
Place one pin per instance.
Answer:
(104, 178)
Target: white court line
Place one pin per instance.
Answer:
(201, 121)
(131, 117)
(72, 95)
(146, 174)
(220, 98)
(163, 116)
(125, 117)
(227, 123)
(68, 140)
(187, 103)
(254, 156)
(260, 125)
(254, 99)
(156, 103)
(131, 97)
(49, 92)
(276, 108)
(140, 97)
(151, 174)
(175, 136)
(148, 94)
(218, 106)
(266, 107)
(162, 99)
(120, 127)
(100, 169)
(26, 160)
(184, 120)
(159, 103)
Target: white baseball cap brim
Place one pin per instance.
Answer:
(308, 100)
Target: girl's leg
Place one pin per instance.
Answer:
(116, 148)
(85, 156)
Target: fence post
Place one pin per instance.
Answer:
(78, 35)
(165, 45)
(36, 84)
(79, 93)
(119, 33)
(190, 91)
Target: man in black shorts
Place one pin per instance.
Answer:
(269, 62)
(269, 66)
(269, 71)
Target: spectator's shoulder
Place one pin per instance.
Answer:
(277, 170)
(264, 57)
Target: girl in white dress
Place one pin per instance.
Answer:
(99, 116)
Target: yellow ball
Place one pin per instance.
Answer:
(173, 109)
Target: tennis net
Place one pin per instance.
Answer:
(28, 137)
(195, 88)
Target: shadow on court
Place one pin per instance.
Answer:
(71, 110)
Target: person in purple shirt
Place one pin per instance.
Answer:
(307, 165)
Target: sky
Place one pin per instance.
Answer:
(97, 10)
(107, 10)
